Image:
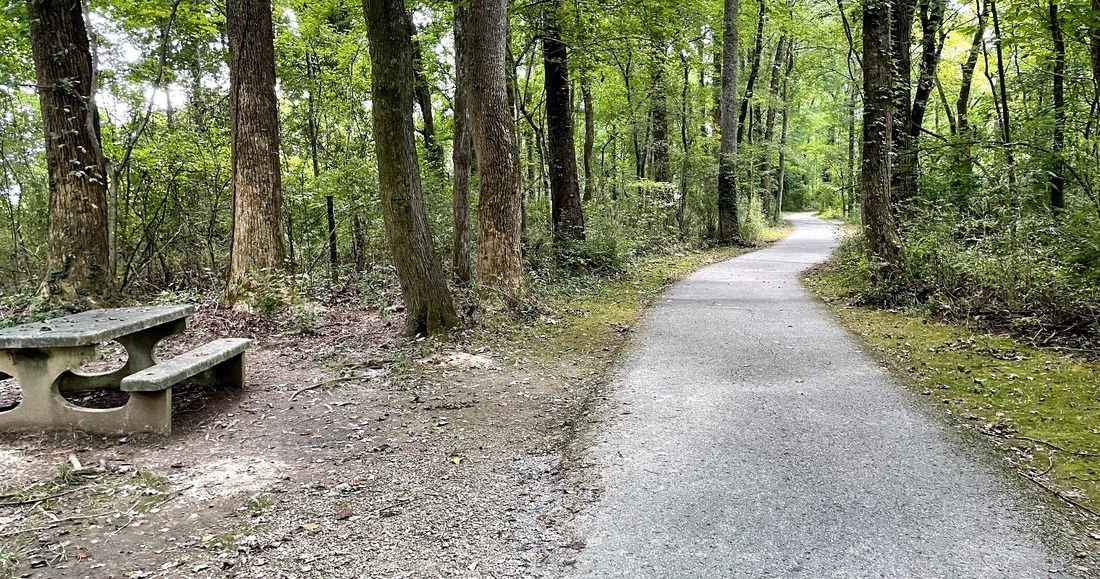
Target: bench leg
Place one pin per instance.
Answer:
(230, 372)
(149, 412)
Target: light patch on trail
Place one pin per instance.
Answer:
(230, 476)
(13, 462)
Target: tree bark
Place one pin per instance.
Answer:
(728, 225)
(258, 248)
(964, 185)
(883, 244)
(428, 304)
(77, 248)
(567, 216)
(1057, 171)
(312, 127)
(461, 261)
(499, 260)
(658, 108)
(769, 126)
(754, 70)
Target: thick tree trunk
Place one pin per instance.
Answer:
(728, 225)
(754, 71)
(567, 216)
(1057, 147)
(768, 143)
(461, 260)
(428, 303)
(903, 175)
(77, 249)
(590, 139)
(931, 21)
(258, 248)
(499, 260)
(883, 244)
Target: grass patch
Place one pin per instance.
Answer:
(1040, 405)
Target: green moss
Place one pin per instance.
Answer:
(1042, 406)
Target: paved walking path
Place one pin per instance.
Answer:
(750, 437)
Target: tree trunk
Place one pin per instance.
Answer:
(461, 262)
(903, 177)
(658, 109)
(964, 185)
(499, 259)
(785, 97)
(931, 21)
(312, 127)
(1057, 171)
(423, 286)
(1094, 48)
(423, 92)
(852, 184)
(728, 225)
(567, 216)
(754, 70)
(258, 248)
(77, 249)
(883, 244)
(769, 126)
(590, 139)
(1002, 81)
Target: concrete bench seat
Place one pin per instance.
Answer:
(221, 360)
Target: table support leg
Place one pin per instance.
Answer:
(139, 356)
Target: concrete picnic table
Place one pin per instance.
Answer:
(43, 358)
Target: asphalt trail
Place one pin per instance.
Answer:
(748, 436)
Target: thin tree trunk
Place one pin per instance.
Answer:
(728, 225)
(931, 22)
(77, 248)
(754, 70)
(567, 216)
(258, 248)
(428, 304)
(883, 244)
(499, 260)
(461, 261)
(423, 92)
(852, 183)
(1057, 172)
(685, 146)
(311, 125)
(1002, 82)
(658, 108)
(903, 176)
(769, 126)
(590, 138)
(964, 185)
(781, 177)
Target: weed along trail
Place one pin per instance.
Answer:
(746, 435)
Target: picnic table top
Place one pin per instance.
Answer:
(90, 327)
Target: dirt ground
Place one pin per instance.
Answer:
(421, 459)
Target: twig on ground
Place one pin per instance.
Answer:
(1042, 442)
(53, 525)
(329, 382)
(42, 499)
(1062, 496)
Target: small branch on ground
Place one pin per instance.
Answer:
(329, 382)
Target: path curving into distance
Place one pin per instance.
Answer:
(748, 436)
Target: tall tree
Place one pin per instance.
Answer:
(931, 24)
(883, 244)
(461, 263)
(567, 216)
(1002, 88)
(1057, 171)
(754, 70)
(77, 250)
(728, 225)
(423, 91)
(590, 137)
(257, 248)
(785, 97)
(903, 174)
(499, 260)
(428, 304)
(769, 124)
(964, 175)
